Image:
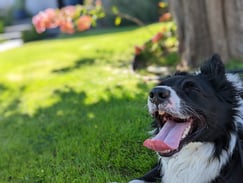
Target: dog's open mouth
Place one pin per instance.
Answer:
(172, 135)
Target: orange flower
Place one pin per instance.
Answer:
(68, 11)
(51, 18)
(165, 17)
(157, 37)
(138, 49)
(69, 19)
(67, 26)
(84, 23)
(45, 20)
(39, 23)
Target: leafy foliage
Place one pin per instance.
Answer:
(32, 35)
(128, 12)
(69, 19)
(160, 50)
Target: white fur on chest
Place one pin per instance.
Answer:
(194, 163)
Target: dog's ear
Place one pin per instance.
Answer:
(214, 67)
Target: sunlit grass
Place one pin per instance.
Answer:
(71, 110)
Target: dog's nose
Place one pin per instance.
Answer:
(159, 94)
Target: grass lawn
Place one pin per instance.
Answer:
(71, 110)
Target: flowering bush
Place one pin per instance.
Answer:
(160, 49)
(69, 19)
(80, 18)
(156, 49)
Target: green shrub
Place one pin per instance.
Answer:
(6, 15)
(1, 26)
(145, 10)
(32, 35)
(160, 50)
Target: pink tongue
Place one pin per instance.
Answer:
(168, 138)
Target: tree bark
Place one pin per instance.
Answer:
(207, 27)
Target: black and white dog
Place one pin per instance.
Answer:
(198, 127)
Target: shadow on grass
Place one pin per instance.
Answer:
(3, 87)
(77, 65)
(77, 140)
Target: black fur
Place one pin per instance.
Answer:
(215, 100)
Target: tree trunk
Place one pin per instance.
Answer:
(207, 27)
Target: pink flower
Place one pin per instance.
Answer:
(68, 11)
(45, 20)
(157, 37)
(69, 19)
(67, 26)
(51, 18)
(84, 23)
(39, 23)
(165, 17)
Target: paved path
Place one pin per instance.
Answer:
(12, 35)
(10, 44)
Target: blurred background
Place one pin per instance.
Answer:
(74, 79)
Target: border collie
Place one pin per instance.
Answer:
(198, 127)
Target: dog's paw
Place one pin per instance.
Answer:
(137, 181)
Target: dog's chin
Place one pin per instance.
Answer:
(190, 133)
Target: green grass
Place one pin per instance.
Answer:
(72, 111)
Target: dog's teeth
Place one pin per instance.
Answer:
(186, 132)
(165, 151)
(161, 112)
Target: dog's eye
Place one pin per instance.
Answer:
(189, 86)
